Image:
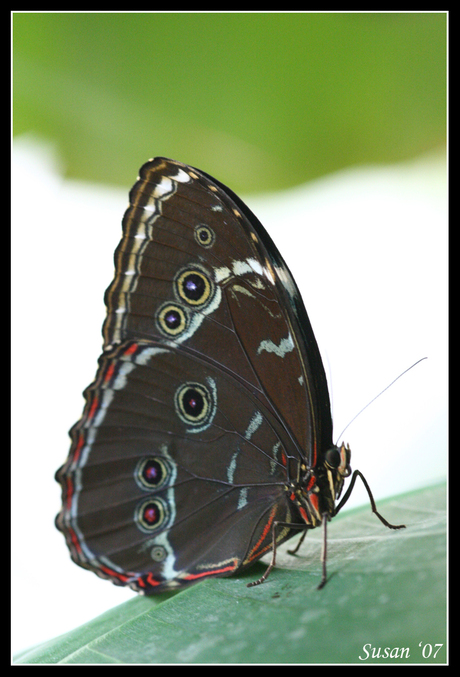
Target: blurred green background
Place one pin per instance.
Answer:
(260, 100)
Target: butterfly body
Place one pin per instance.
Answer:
(206, 438)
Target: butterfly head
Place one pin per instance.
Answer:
(337, 467)
(320, 488)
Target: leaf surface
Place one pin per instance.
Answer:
(385, 589)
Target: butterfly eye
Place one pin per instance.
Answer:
(333, 457)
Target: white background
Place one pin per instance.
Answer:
(368, 249)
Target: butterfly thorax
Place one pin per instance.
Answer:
(316, 491)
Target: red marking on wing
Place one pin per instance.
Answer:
(93, 408)
(254, 554)
(78, 446)
(124, 578)
(75, 541)
(150, 580)
(69, 494)
(131, 349)
(109, 373)
(212, 572)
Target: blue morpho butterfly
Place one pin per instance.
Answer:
(206, 438)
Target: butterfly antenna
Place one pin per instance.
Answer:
(380, 393)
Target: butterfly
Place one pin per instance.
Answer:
(206, 436)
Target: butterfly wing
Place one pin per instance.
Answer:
(209, 393)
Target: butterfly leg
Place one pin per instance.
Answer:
(323, 550)
(324, 553)
(301, 540)
(263, 578)
(273, 559)
(357, 474)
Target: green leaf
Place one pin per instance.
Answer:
(385, 589)
(260, 100)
